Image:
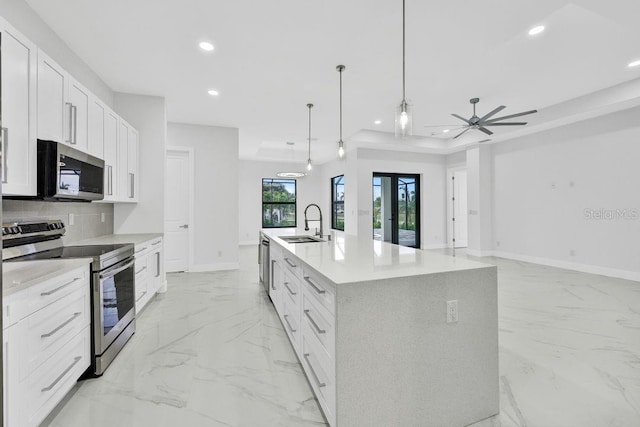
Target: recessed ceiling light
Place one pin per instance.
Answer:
(634, 63)
(377, 122)
(536, 30)
(206, 46)
(445, 131)
(213, 92)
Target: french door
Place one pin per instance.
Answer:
(396, 208)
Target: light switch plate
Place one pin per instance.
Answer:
(452, 311)
(72, 219)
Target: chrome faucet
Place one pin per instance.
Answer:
(306, 221)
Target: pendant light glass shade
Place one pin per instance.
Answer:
(309, 166)
(404, 122)
(340, 69)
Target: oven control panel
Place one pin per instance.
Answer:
(18, 230)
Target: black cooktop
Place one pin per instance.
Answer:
(92, 251)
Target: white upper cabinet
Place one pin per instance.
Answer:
(124, 188)
(54, 112)
(111, 163)
(79, 115)
(97, 112)
(132, 164)
(18, 134)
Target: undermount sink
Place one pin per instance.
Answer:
(301, 239)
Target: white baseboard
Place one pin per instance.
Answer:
(436, 246)
(248, 243)
(201, 268)
(584, 268)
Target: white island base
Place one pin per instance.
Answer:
(368, 321)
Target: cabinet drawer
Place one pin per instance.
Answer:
(323, 380)
(322, 290)
(56, 376)
(45, 293)
(291, 287)
(49, 329)
(317, 321)
(291, 321)
(292, 264)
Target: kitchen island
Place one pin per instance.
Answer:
(389, 335)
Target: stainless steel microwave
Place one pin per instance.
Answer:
(65, 173)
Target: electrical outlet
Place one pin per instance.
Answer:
(572, 252)
(102, 217)
(498, 244)
(219, 254)
(72, 219)
(452, 311)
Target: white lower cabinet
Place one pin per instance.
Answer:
(305, 303)
(46, 345)
(149, 269)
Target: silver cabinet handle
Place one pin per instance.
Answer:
(70, 109)
(315, 287)
(59, 288)
(313, 322)
(184, 226)
(315, 376)
(4, 148)
(141, 250)
(131, 185)
(141, 270)
(290, 263)
(286, 285)
(141, 296)
(74, 115)
(157, 264)
(65, 372)
(273, 282)
(65, 323)
(110, 180)
(286, 319)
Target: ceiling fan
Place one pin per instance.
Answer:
(481, 123)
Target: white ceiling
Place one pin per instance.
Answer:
(273, 57)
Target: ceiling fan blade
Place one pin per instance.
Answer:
(511, 116)
(441, 126)
(506, 124)
(461, 118)
(462, 133)
(454, 129)
(485, 130)
(493, 113)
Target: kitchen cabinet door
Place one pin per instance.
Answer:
(54, 111)
(123, 161)
(132, 164)
(97, 116)
(18, 134)
(111, 164)
(79, 100)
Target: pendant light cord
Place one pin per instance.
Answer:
(404, 100)
(310, 106)
(340, 69)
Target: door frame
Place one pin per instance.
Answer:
(449, 203)
(394, 204)
(191, 160)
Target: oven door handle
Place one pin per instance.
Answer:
(113, 271)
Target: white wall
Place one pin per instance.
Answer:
(480, 200)
(148, 115)
(543, 183)
(216, 188)
(432, 171)
(250, 174)
(20, 15)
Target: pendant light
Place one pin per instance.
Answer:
(404, 123)
(340, 69)
(309, 167)
(291, 174)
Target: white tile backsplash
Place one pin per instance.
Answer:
(87, 216)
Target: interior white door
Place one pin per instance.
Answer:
(177, 210)
(458, 208)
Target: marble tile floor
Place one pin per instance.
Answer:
(212, 352)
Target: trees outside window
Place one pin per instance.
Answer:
(337, 202)
(278, 203)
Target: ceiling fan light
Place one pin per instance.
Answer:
(536, 30)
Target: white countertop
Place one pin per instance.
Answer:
(19, 275)
(349, 259)
(114, 239)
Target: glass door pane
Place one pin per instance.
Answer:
(406, 211)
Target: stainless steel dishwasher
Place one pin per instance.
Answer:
(264, 261)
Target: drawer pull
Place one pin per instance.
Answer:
(59, 288)
(313, 322)
(141, 250)
(315, 376)
(315, 287)
(141, 296)
(141, 270)
(65, 372)
(291, 264)
(286, 285)
(65, 323)
(286, 319)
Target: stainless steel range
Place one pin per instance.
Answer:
(112, 281)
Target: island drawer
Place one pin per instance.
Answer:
(291, 287)
(291, 321)
(293, 264)
(322, 290)
(321, 375)
(317, 321)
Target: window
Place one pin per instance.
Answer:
(337, 202)
(278, 203)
